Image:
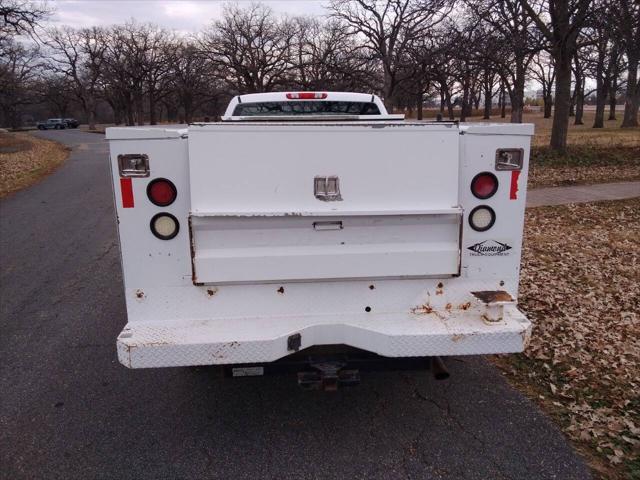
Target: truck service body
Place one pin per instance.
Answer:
(313, 219)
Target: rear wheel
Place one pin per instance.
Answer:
(41, 127)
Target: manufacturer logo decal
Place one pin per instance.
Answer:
(490, 248)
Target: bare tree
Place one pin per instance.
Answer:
(250, 48)
(21, 17)
(79, 54)
(387, 30)
(18, 74)
(515, 31)
(600, 57)
(57, 93)
(422, 57)
(561, 22)
(325, 57)
(614, 89)
(627, 16)
(154, 45)
(543, 72)
(191, 77)
(578, 96)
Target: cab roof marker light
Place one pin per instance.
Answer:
(306, 95)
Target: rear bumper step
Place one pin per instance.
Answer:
(419, 333)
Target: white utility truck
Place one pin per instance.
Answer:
(317, 223)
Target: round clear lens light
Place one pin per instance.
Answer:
(164, 226)
(482, 218)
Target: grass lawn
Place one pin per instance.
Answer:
(580, 285)
(594, 155)
(25, 159)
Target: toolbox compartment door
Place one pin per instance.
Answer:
(265, 249)
(259, 212)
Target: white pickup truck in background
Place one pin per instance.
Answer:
(315, 222)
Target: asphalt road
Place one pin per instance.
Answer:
(69, 410)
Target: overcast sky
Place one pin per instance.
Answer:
(180, 15)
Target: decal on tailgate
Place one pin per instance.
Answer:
(490, 248)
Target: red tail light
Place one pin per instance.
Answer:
(161, 192)
(484, 185)
(306, 96)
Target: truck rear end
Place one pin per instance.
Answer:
(244, 242)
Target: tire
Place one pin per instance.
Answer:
(41, 127)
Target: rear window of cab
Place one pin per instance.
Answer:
(305, 108)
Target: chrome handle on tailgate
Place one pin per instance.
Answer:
(327, 225)
(327, 188)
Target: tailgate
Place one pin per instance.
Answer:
(257, 215)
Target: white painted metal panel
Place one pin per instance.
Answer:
(172, 322)
(258, 249)
(256, 340)
(381, 166)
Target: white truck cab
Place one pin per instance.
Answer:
(317, 220)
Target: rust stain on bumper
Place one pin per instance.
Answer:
(424, 309)
(492, 296)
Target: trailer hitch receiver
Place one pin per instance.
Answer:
(328, 376)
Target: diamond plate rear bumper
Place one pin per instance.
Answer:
(260, 340)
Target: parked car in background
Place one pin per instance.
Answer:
(55, 123)
(71, 122)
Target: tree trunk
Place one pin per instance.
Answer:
(419, 106)
(601, 98)
(487, 102)
(139, 105)
(389, 90)
(153, 120)
(464, 108)
(548, 103)
(172, 113)
(129, 108)
(632, 100)
(517, 95)
(92, 119)
(449, 105)
(516, 108)
(579, 95)
(91, 113)
(560, 126)
(572, 104)
(117, 115)
(613, 101)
